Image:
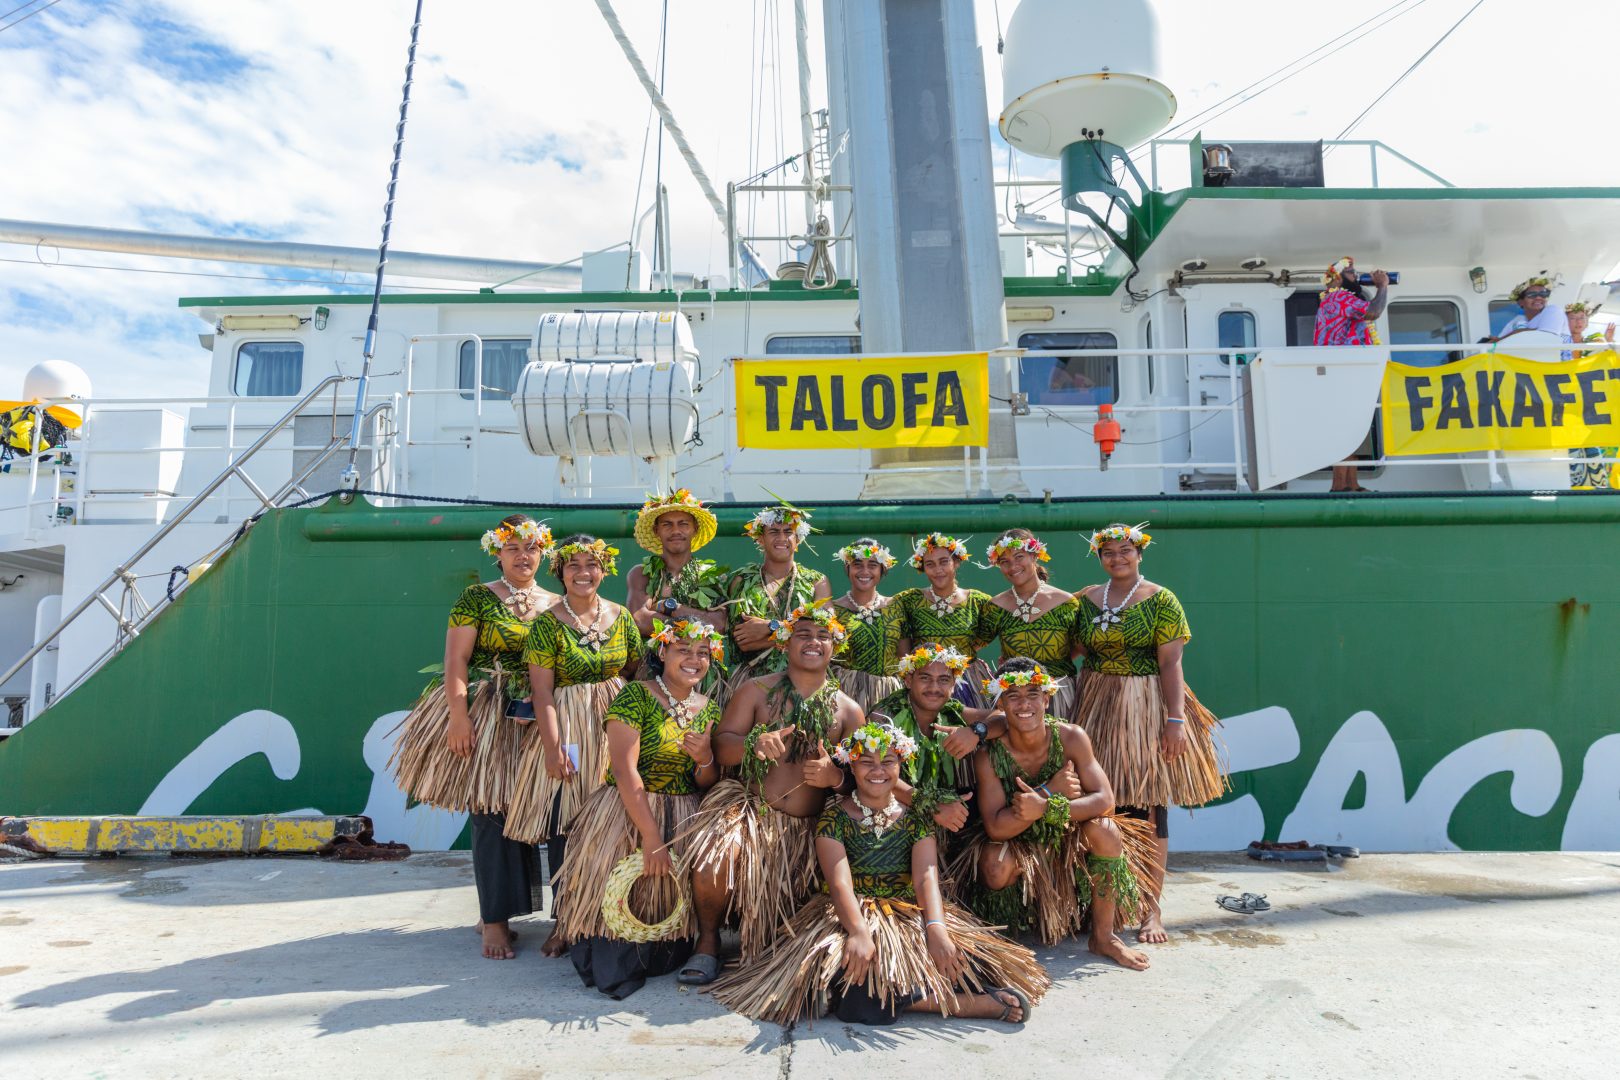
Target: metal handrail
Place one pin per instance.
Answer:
(123, 572)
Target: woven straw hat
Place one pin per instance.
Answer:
(682, 502)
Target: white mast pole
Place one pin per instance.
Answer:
(801, 41)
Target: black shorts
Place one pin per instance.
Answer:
(1159, 815)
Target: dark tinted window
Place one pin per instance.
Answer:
(813, 345)
(1069, 380)
(1424, 322)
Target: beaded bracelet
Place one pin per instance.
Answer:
(1175, 720)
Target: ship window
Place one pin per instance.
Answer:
(1425, 322)
(1069, 380)
(1234, 330)
(269, 369)
(1502, 312)
(503, 363)
(813, 345)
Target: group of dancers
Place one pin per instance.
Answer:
(845, 780)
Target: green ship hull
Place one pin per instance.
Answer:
(1402, 674)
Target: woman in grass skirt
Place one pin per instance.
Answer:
(1153, 738)
(881, 940)
(459, 746)
(865, 668)
(944, 613)
(575, 653)
(1032, 618)
(658, 732)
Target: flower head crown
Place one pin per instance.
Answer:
(605, 554)
(874, 739)
(878, 552)
(524, 532)
(1009, 544)
(782, 514)
(1038, 678)
(689, 630)
(920, 549)
(681, 497)
(1133, 533)
(956, 662)
(1527, 284)
(818, 612)
(1333, 277)
(1579, 307)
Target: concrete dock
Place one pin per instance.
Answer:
(1446, 965)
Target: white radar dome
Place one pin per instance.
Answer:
(1070, 65)
(56, 379)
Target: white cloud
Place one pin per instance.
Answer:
(527, 129)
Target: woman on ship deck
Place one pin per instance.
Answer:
(1032, 618)
(865, 669)
(945, 613)
(576, 652)
(658, 732)
(1153, 738)
(459, 746)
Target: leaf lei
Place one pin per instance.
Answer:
(700, 584)
(1045, 831)
(814, 720)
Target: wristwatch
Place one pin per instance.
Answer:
(669, 605)
(775, 625)
(981, 729)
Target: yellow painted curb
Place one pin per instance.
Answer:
(265, 835)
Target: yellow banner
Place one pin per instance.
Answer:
(866, 402)
(1497, 402)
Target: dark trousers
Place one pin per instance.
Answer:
(505, 872)
(854, 1005)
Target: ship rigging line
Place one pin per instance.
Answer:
(26, 17)
(1415, 65)
(350, 477)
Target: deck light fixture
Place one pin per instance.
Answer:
(321, 315)
(1476, 277)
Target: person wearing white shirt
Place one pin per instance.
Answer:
(1535, 313)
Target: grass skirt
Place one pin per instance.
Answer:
(767, 859)
(795, 979)
(1124, 715)
(864, 687)
(536, 813)
(970, 691)
(426, 770)
(1054, 888)
(599, 836)
(1061, 704)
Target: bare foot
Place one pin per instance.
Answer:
(991, 1006)
(1151, 932)
(1116, 950)
(497, 941)
(479, 929)
(554, 945)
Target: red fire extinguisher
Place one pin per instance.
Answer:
(1105, 433)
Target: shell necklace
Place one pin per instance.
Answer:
(943, 605)
(679, 711)
(590, 636)
(1110, 614)
(868, 614)
(879, 820)
(524, 602)
(1027, 610)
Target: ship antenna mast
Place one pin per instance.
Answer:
(350, 479)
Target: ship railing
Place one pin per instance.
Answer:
(976, 467)
(1371, 147)
(61, 486)
(119, 593)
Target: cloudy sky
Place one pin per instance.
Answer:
(274, 119)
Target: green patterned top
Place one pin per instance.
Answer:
(501, 636)
(921, 625)
(746, 588)
(664, 767)
(1048, 640)
(557, 646)
(934, 775)
(872, 646)
(1131, 646)
(878, 866)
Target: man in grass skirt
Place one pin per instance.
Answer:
(937, 780)
(1049, 848)
(759, 596)
(753, 840)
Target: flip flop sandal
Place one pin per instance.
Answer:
(1023, 1003)
(1247, 904)
(701, 970)
(1286, 853)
